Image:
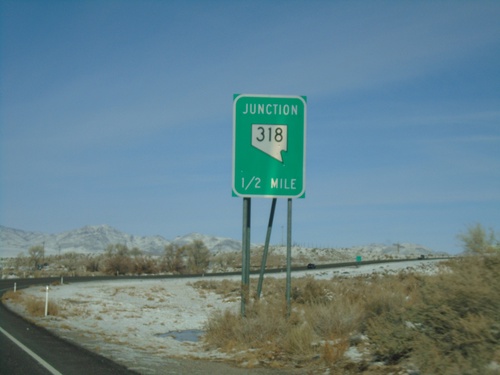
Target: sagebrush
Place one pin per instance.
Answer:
(447, 323)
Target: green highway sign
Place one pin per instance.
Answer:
(269, 146)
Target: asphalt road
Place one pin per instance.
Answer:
(54, 355)
(14, 360)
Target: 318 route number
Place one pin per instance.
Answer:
(273, 134)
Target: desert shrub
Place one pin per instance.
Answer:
(173, 258)
(463, 346)
(12, 296)
(262, 325)
(476, 240)
(36, 254)
(225, 288)
(273, 260)
(309, 291)
(220, 329)
(198, 257)
(20, 262)
(118, 265)
(71, 260)
(334, 320)
(263, 322)
(191, 258)
(332, 352)
(92, 263)
(391, 335)
(223, 261)
(298, 340)
(452, 324)
(117, 259)
(447, 323)
(267, 329)
(36, 306)
(381, 294)
(460, 317)
(387, 315)
(143, 264)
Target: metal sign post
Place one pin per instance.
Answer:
(268, 162)
(289, 258)
(245, 261)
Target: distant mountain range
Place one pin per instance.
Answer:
(95, 239)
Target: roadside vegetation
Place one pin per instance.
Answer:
(446, 323)
(116, 259)
(34, 307)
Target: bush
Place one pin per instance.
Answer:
(298, 340)
(334, 320)
(117, 260)
(198, 257)
(143, 264)
(36, 254)
(477, 241)
(219, 329)
(10, 295)
(460, 317)
(446, 324)
(173, 258)
(36, 307)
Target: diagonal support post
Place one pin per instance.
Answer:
(266, 248)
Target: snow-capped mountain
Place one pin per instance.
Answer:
(95, 239)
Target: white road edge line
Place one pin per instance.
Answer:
(27, 350)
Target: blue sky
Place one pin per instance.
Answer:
(120, 113)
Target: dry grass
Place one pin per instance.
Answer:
(35, 307)
(459, 316)
(225, 288)
(12, 296)
(448, 323)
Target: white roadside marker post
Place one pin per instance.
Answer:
(46, 300)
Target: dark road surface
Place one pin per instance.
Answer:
(57, 356)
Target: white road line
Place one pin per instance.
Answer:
(27, 350)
